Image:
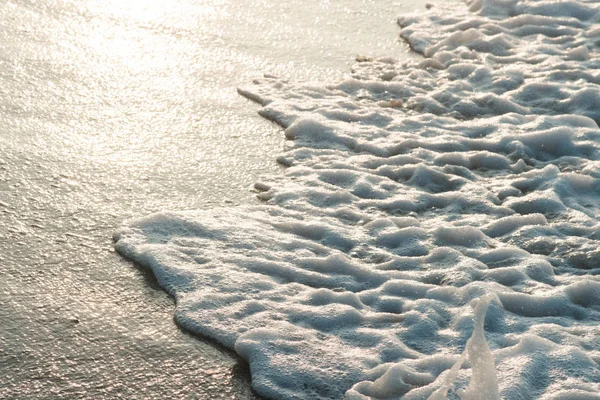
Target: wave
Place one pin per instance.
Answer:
(435, 230)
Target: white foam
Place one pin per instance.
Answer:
(412, 189)
(484, 383)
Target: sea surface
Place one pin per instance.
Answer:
(112, 110)
(434, 232)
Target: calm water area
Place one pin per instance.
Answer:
(115, 109)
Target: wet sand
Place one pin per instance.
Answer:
(114, 110)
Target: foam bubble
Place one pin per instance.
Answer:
(413, 189)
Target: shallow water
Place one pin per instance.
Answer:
(435, 232)
(115, 109)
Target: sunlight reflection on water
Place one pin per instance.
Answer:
(116, 109)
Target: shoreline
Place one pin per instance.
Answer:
(103, 126)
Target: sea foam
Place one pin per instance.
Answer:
(435, 233)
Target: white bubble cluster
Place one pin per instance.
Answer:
(435, 231)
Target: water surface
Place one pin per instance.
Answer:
(115, 109)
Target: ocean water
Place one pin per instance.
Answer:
(111, 110)
(435, 232)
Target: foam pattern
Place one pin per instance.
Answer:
(435, 233)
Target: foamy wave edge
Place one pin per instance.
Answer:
(436, 228)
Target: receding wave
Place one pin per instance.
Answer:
(435, 231)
